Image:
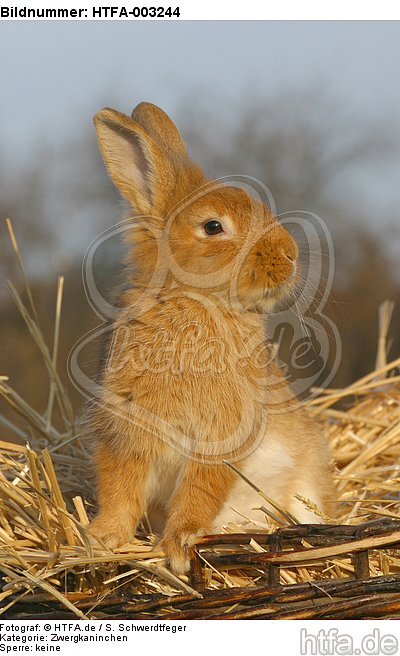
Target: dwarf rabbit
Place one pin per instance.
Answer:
(190, 383)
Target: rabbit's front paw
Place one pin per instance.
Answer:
(176, 547)
(102, 532)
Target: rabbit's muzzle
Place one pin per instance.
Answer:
(269, 270)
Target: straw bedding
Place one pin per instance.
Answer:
(48, 568)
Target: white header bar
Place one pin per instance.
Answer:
(181, 10)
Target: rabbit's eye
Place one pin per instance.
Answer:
(213, 227)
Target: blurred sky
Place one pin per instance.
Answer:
(55, 75)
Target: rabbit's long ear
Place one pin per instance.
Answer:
(138, 166)
(160, 127)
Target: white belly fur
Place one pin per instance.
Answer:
(269, 467)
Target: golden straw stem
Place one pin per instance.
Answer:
(60, 503)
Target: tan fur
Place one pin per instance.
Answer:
(190, 379)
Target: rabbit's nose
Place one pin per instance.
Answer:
(290, 251)
(292, 257)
